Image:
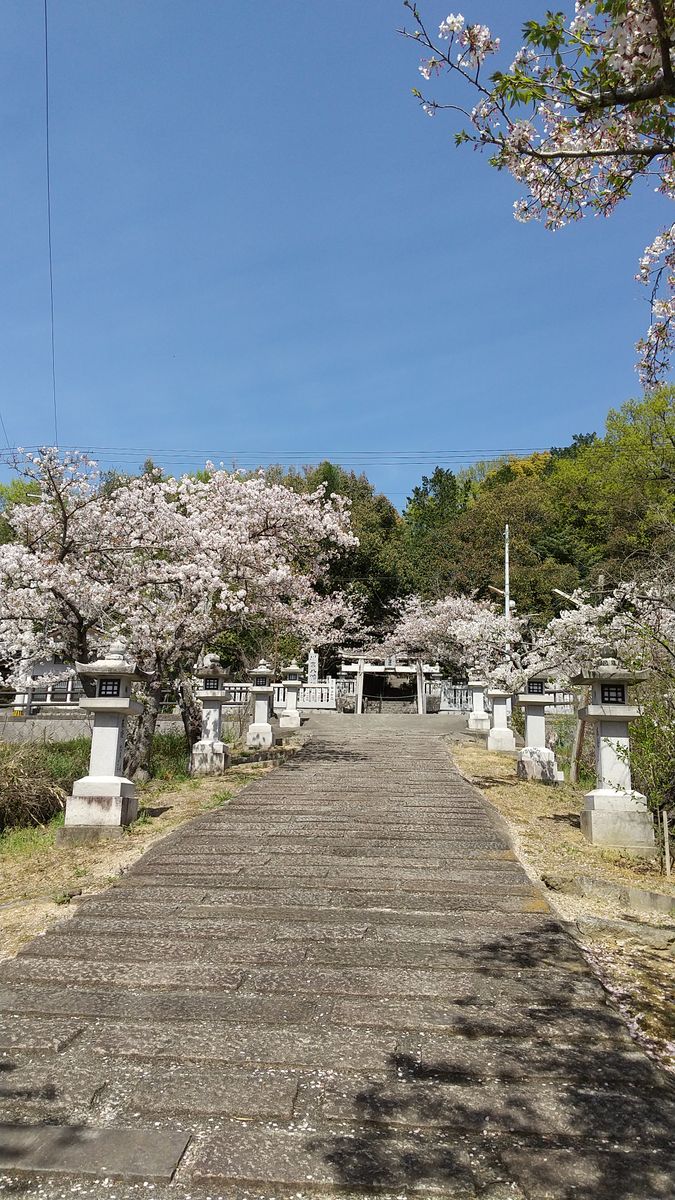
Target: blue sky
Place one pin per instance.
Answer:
(263, 248)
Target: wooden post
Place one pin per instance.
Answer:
(666, 841)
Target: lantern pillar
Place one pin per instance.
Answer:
(614, 814)
(500, 736)
(260, 734)
(290, 717)
(536, 761)
(479, 719)
(104, 801)
(210, 755)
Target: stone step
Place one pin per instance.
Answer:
(152, 947)
(211, 1041)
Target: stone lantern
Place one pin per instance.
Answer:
(260, 735)
(536, 760)
(104, 800)
(479, 719)
(290, 717)
(210, 756)
(614, 814)
(500, 736)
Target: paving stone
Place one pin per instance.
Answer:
(256, 933)
(147, 1155)
(297, 1158)
(558, 1020)
(35, 1033)
(454, 954)
(543, 1108)
(615, 1064)
(193, 1089)
(339, 1049)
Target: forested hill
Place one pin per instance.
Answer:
(604, 505)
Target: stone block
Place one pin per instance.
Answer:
(289, 719)
(259, 737)
(76, 835)
(501, 740)
(620, 829)
(143, 1154)
(479, 722)
(538, 764)
(209, 758)
(105, 809)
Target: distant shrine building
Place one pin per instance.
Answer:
(396, 683)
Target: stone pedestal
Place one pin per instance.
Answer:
(260, 735)
(290, 717)
(536, 761)
(105, 800)
(479, 720)
(500, 736)
(614, 814)
(210, 755)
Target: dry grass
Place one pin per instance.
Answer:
(37, 878)
(547, 822)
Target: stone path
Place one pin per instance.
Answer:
(342, 981)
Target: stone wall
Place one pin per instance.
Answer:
(64, 726)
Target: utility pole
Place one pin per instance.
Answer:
(507, 575)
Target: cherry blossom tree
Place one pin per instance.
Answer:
(468, 632)
(164, 564)
(583, 111)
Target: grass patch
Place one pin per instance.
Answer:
(24, 841)
(170, 758)
(218, 800)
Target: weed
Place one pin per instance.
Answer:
(217, 800)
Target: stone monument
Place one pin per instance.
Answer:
(210, 755)
(312, 667)
(105, 800)
(614, 814)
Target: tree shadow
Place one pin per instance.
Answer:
(551, 1098)
(571, 819)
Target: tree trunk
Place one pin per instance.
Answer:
(140, 734)
(190, 709)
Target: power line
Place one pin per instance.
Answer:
(4, 430)
(49, 224)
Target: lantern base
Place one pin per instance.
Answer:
(289, 719)
(501, 739)
(209, 758)
(100, 811)
(259, 737)
(479, 722)
(620, 821)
